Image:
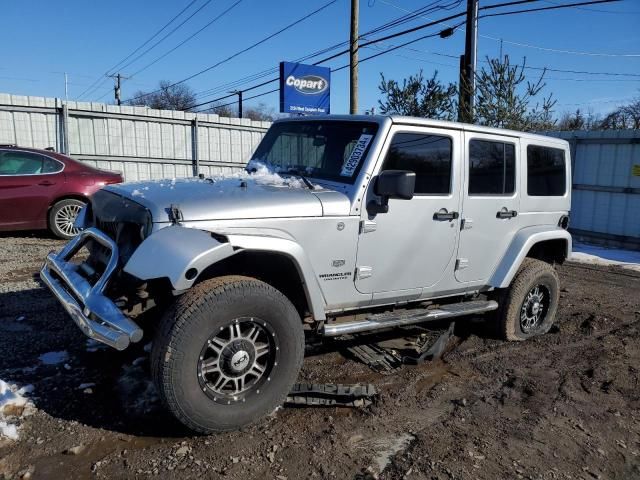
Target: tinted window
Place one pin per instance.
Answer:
(545, 172)
(491, 168)
(49, 165)
(429, 156)
(20, 163)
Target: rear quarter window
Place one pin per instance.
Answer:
(546, 171)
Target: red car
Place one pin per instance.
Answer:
(44, 189)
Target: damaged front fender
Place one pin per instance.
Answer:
(178, 253)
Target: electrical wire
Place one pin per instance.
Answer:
(186, 39)
(166, 36)
(140, 47)
(240, 52)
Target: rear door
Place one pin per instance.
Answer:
(28, 183)
(490, 204)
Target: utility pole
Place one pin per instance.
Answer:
(239, 93)
(116, 89)
(353, 58)
(468, 64)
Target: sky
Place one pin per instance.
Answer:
(42, 39)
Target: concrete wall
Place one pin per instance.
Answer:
(606, 186)
(140, 142)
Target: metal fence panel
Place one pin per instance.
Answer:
(606, 185)
(142, 143)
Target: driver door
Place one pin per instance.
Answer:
(412, 246)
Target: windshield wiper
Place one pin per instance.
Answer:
(306, 181)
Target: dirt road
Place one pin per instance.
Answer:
(566, 405)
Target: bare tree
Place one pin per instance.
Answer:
(418, 98)
(261, 112)
(167, 97)
(223, 110)
(504, 98)
(625, 117)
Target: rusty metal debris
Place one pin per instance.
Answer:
(331, 395)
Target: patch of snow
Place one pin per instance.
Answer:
(82, 386)
(596, 255)
(54, 358)
(8, 430)
(20, 318)
(13, 405)
(137, 193)
(385, 448)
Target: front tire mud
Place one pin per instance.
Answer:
(227, 353)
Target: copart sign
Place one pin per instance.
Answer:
(304, 89)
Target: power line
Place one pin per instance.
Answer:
(139, 48)
(187, 39)
(549, 69)
(595, 9)
(571, 52)
(529, 45)
(404, 32)
(541, 9)
(269, 37)
(166, 36)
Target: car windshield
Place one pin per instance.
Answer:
(329, 150)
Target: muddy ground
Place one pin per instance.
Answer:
(566, 405)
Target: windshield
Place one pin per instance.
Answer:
(330, 150)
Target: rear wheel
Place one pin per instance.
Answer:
(227, 353)
(62, 215)
(528, 307)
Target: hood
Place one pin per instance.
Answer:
(241, 197)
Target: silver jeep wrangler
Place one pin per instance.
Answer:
(341, 225)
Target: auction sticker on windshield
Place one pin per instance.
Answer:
(356, 155)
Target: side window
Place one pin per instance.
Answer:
(546, 172)
(429, 156)
(49, 165)
(20, 163)
(491, 168)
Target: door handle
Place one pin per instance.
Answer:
(443, 214)
(46, 183)
(504, 213)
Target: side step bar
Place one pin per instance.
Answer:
(388, 320)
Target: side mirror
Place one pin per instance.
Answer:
(398, 184)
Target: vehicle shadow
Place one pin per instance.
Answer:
(42, 234)
(76, 379)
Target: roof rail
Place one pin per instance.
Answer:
(7, 145)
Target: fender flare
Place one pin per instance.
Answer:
(293, 250)
(520, 246)
(173, 251)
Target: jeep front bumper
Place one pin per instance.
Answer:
(96, 315)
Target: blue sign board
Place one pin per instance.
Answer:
(304, 89)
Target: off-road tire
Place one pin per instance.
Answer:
(532, 272)
(185, 328)
(58, 209)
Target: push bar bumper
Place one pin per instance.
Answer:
(96, 315)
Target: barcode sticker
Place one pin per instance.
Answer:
(356, 155)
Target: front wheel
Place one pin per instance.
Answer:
(227, 353)
(528, 306)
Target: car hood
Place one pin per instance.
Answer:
(238, 197)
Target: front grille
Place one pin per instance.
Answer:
(110, 228)
(128, 223)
